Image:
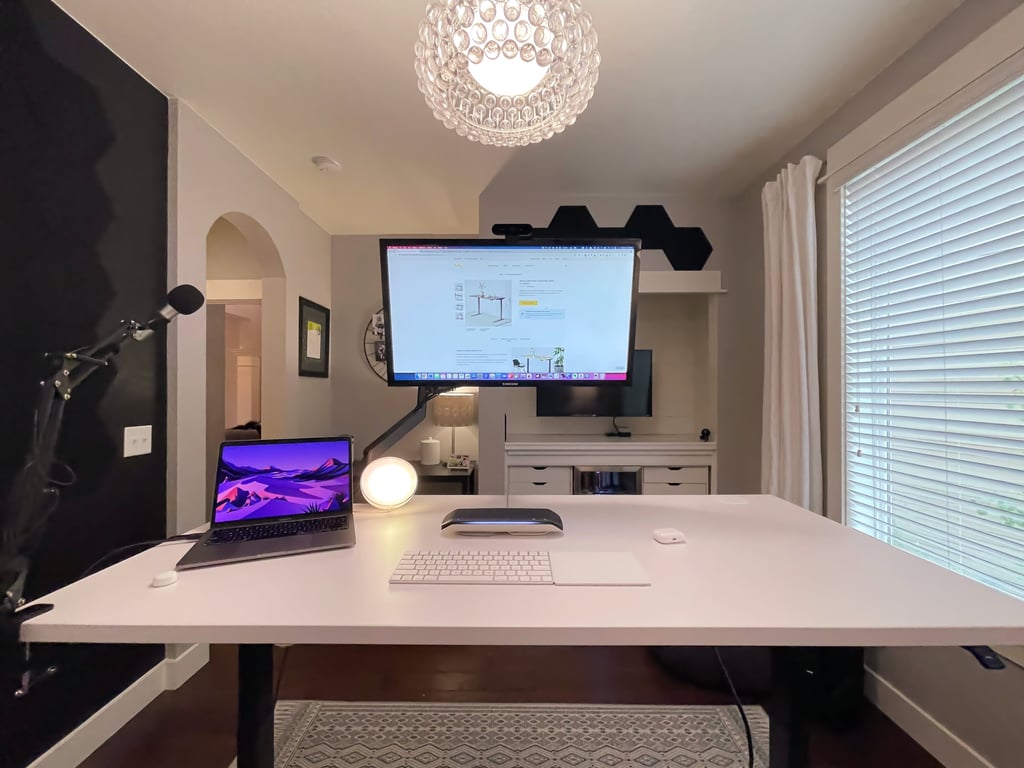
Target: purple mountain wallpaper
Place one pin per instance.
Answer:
(277, 479)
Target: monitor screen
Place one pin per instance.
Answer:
(634, 399)
(494, 313)
(282, 479)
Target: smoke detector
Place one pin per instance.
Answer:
(326, 164)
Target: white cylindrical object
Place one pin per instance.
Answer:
(430, 452)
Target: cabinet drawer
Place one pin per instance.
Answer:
(561, 476)
(676, 475)
(674, 489)
(539, 488)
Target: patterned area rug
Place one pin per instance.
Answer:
(323, 734)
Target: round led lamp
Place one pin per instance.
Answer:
(388, 483)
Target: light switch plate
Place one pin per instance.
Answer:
(138, 441)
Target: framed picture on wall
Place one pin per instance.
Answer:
(314, 339)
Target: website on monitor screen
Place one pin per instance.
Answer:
(510, 313)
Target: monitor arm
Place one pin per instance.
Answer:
(404, 425)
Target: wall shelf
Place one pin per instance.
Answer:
(669, 281)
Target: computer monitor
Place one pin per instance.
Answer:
(632, 399)
(498, 313)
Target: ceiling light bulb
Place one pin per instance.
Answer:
(507, 72)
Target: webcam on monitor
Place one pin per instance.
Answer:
(512, 230)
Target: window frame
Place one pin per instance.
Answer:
(993, 59)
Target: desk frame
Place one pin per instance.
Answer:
(788, 708)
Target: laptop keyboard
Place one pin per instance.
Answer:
(277, 530)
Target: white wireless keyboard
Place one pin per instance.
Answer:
(473, 567)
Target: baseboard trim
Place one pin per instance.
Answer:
(178, 670)
(90, 735)
(944, 745)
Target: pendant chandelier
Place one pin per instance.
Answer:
(507, 72)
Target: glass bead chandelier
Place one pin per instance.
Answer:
(507, 72)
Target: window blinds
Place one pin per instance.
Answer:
(933, 302)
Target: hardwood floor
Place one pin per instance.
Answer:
(195, 725)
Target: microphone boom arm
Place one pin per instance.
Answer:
(76, 366)
(35, 493)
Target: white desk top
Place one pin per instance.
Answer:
(755, 571)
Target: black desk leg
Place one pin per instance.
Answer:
(255, 735)
(789, 708)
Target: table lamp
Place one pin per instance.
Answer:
(455, 409)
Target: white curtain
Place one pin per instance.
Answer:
(791, 423)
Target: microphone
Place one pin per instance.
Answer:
(182, 300)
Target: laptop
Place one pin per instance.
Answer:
(278, 497)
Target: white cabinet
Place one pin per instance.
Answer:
(539, 480)
(666, 481)
(668, 464)
(680, 474)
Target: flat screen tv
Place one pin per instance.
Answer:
(498, 313)
(634, 399)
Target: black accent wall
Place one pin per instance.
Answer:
(83, 245)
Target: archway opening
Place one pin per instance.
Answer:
(245, 348)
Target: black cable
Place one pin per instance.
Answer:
(151, 543)
(280, 675)
(617, 431)
(739, 706)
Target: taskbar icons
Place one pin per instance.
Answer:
(515, 376)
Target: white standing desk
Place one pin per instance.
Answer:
(755, 571)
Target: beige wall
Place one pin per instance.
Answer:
(230, 255)
(217, 377)
(242, 345)
(973, 704)
(210, 178)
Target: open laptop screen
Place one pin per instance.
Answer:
(282, 479)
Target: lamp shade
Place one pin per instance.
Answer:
(388, 482)
(455, 409)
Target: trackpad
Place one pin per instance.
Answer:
(591, 569)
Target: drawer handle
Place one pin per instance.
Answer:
(674, 485)
(673, 469)
(540, 468)
(545, 482)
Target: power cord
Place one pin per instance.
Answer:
(617, 431)
(137, 545)
(739, 706)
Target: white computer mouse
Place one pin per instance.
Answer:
(669, 536)
(164, 579)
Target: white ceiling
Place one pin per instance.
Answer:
(693, 95)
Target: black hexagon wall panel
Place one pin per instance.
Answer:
(687, 248)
